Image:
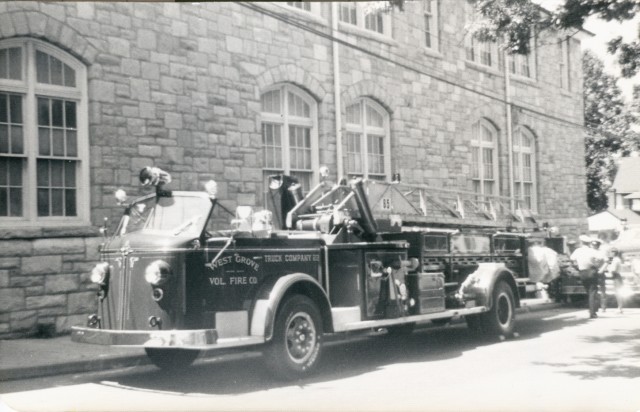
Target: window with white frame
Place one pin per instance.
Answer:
(367, 140)
(431, 25)
(524, 64)
(524, 168)
(563, 62)
(290, 134)
(43, 135)
(484, 158)
(362, 15)
(302, 5)
(313, 7)
(484, 53)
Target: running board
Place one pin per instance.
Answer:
(380, 323)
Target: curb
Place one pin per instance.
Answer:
(90, 365)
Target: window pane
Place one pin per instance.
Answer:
(4, 138)
(4, 66)
(374, 118)
(56, 113)
(44, 141)
(70, 175)
(353, 114)
(43, 202)
(4, 113)
(72, 143)
(57, 202)
(15, 202)
(57, 138)
(43, 173)
(70, 202)
(15, 172)
(4, 201)
(15, 108)
(17, 145)
(70, 114)
(42, 67)
(69, 76)
(56, 173)
(15, 63)
(43, 112)
(56, 70)
(271, 102)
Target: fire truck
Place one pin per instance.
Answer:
(182, 273)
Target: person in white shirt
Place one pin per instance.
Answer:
(586, 260)
(613, 267)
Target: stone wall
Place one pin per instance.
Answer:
(178, 86)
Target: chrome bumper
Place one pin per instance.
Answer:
(188, 339)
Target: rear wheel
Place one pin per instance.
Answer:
(171, 359)
(501, 318)
(295, 349)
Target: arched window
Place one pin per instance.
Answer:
(524, 168)
(290, 134)
(484, 158)
(367, 140)
(43, 135)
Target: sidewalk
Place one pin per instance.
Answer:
(31, 358)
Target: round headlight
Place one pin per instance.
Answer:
(157, 273)
(99, 273)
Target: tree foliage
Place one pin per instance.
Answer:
(515, 19)
(608, 129)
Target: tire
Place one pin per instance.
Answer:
(296, 346)
(405, 329)
(500, 320)
(171, 359)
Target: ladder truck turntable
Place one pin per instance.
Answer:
(349, 257)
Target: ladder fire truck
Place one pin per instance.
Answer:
(176, 278)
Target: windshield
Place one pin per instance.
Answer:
(173, 216)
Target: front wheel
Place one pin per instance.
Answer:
(295, 349)
(171, 359)
(501, 318)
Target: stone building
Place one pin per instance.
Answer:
(92, 92)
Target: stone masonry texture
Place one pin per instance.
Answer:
(179, 85)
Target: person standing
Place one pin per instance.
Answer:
(600, 263)
(585, 259)
(613, 267)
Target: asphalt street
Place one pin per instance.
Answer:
(560, 361)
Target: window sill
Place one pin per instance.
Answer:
(362, 32)
(307, 15)
(523, 79)
(481, 67)
(48, 232)
(432, 53)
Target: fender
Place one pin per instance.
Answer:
(481, 282)
(264, 310)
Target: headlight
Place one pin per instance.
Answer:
(157, 273)
(100, 272)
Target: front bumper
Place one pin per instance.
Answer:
(187, 339)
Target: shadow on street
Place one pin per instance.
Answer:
(340, 360)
